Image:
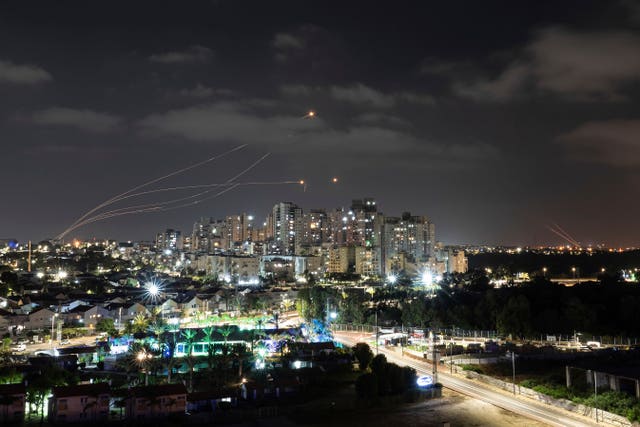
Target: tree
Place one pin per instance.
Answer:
(190, 335)
(378, 364)
(363, 354)
(367, 386)
(225, 332)
(106, 325)
(140, 323)
(39, 385)
(515, 317)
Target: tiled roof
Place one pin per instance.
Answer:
(11, 389)
(159, 390)
(82, 390)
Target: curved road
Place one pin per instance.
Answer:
(540, 412)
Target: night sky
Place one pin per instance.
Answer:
(493, 118)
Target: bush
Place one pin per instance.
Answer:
(529, 383)
(472, 368)
(554, 390)
(367, 386)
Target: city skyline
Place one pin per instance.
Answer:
(495, 120)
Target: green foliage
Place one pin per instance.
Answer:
(378, 364)
(367, 386)
(6, 344)
(385, 379)
(615, 402)
(472, 368)
(554, 390)
(312, 302)
(39, 385)
(9, 375)
(106, 325)
(363, 355)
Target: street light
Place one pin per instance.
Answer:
(142, 358)
(53, 318)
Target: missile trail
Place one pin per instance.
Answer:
(163, 206)
(153, 181)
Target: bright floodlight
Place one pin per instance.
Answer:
(427, 278)
(333, 315)
(392, 278)
(153, 289)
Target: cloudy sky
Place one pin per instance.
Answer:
(496, 118)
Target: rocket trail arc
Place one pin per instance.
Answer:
(196, 198)
(146, 184)
(166, 205)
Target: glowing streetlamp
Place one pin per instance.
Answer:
(427, 278)
(53, 319)
(392, 279)
(153, 290)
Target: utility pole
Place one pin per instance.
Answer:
(595, 393)
(377, 331)
(435, 364)
(513, 367)
(29, 258)
(451, 356)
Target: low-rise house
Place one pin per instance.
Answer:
(80, 403)
(129, 311)
(75, 316)
(192, 305)
(94, 314)
(40, 319)
(157, 401)
(12, 403)
(170, 308)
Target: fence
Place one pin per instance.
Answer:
(442, 332)
(557, 339)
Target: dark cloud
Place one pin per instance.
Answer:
(88, 120)
(284, 41)
(22, 74)
(583, 66)
(362, 95)
(193, 54)
(201, 91)
(609, 142)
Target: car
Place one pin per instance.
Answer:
(65, 342)
(18, 348)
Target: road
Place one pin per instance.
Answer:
(44, 346)
(540, 412)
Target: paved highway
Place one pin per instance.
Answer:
(540, 412)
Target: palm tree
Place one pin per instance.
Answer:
(158, 327)
(208, 333)
(140, 323)
(225, 332)
(189, 335)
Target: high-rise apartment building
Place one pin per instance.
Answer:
(413, 236)
(287, 228)
(169, 240)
